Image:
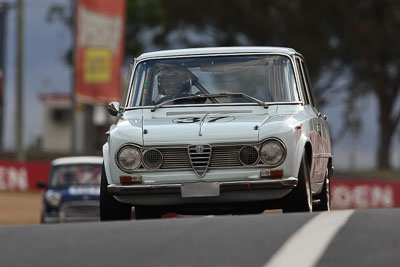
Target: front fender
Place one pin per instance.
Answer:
(106, 162)
(303, 141)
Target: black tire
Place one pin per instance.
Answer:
(110, 208)
(325, 195)
(300, 198)
(143, 213)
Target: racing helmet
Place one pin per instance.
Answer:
(173, 82)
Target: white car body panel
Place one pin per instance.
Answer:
(293, 124)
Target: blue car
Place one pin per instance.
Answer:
(73, 190)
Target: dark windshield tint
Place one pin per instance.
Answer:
(82, 174)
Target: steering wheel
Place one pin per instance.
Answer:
(162, 99)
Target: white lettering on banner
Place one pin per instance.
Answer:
(2, 179)
(99, 30)
(12, 178)
(383, 196)
(341, 197)
(362, 196)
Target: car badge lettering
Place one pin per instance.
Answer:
(199, 149)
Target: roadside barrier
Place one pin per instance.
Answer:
(22, 176)
(345, 193)
(364, 194)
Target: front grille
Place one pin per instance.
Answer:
(225, 156)
(200, 156)
(175, 158)
(81, 209)
(221, 156)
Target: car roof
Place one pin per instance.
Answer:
(77, 160)
(218, 51)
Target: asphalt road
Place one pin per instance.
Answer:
(339, 238)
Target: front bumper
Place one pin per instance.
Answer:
(74, 211)
(62, 219)
(229, 191)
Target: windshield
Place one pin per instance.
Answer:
(269, 78)
(82, 174)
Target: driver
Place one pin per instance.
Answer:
(173, 83)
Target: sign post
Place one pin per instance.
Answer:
(98, 56)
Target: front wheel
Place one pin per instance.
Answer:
(325, 195)
(110, 208)
(143, 213)
(300, 198)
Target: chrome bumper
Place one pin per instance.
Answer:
(247, 185)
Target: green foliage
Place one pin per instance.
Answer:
(357, 39)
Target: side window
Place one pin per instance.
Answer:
(125, 92)
(302, 84)
(308, 84)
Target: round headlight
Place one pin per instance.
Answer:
(272, 152)
(128, 158)
(248, 155)
(152, 159)
(53, 198)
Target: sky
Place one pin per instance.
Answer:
(45, 72)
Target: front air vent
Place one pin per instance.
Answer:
(199, 156)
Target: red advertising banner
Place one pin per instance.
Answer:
(99, 46)
(22, 176)
(362, 194)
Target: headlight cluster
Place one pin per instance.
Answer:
(53, 198)
(248, 155)
(152, 159)
(129, 158)
(272, 152)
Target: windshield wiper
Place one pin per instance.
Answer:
(154, 108)
(258, 101)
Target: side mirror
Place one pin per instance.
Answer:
(114, 108)
(41, 185)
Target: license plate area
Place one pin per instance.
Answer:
(201, 189)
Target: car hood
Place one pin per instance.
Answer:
(204, 128)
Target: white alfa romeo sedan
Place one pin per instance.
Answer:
(229, 130)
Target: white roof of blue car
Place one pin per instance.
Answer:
(77, 160)
(218, 51)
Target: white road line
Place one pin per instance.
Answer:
(306, 246)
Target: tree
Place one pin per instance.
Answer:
(368, 42)
(358, 39)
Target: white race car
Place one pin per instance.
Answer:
(216, 130)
